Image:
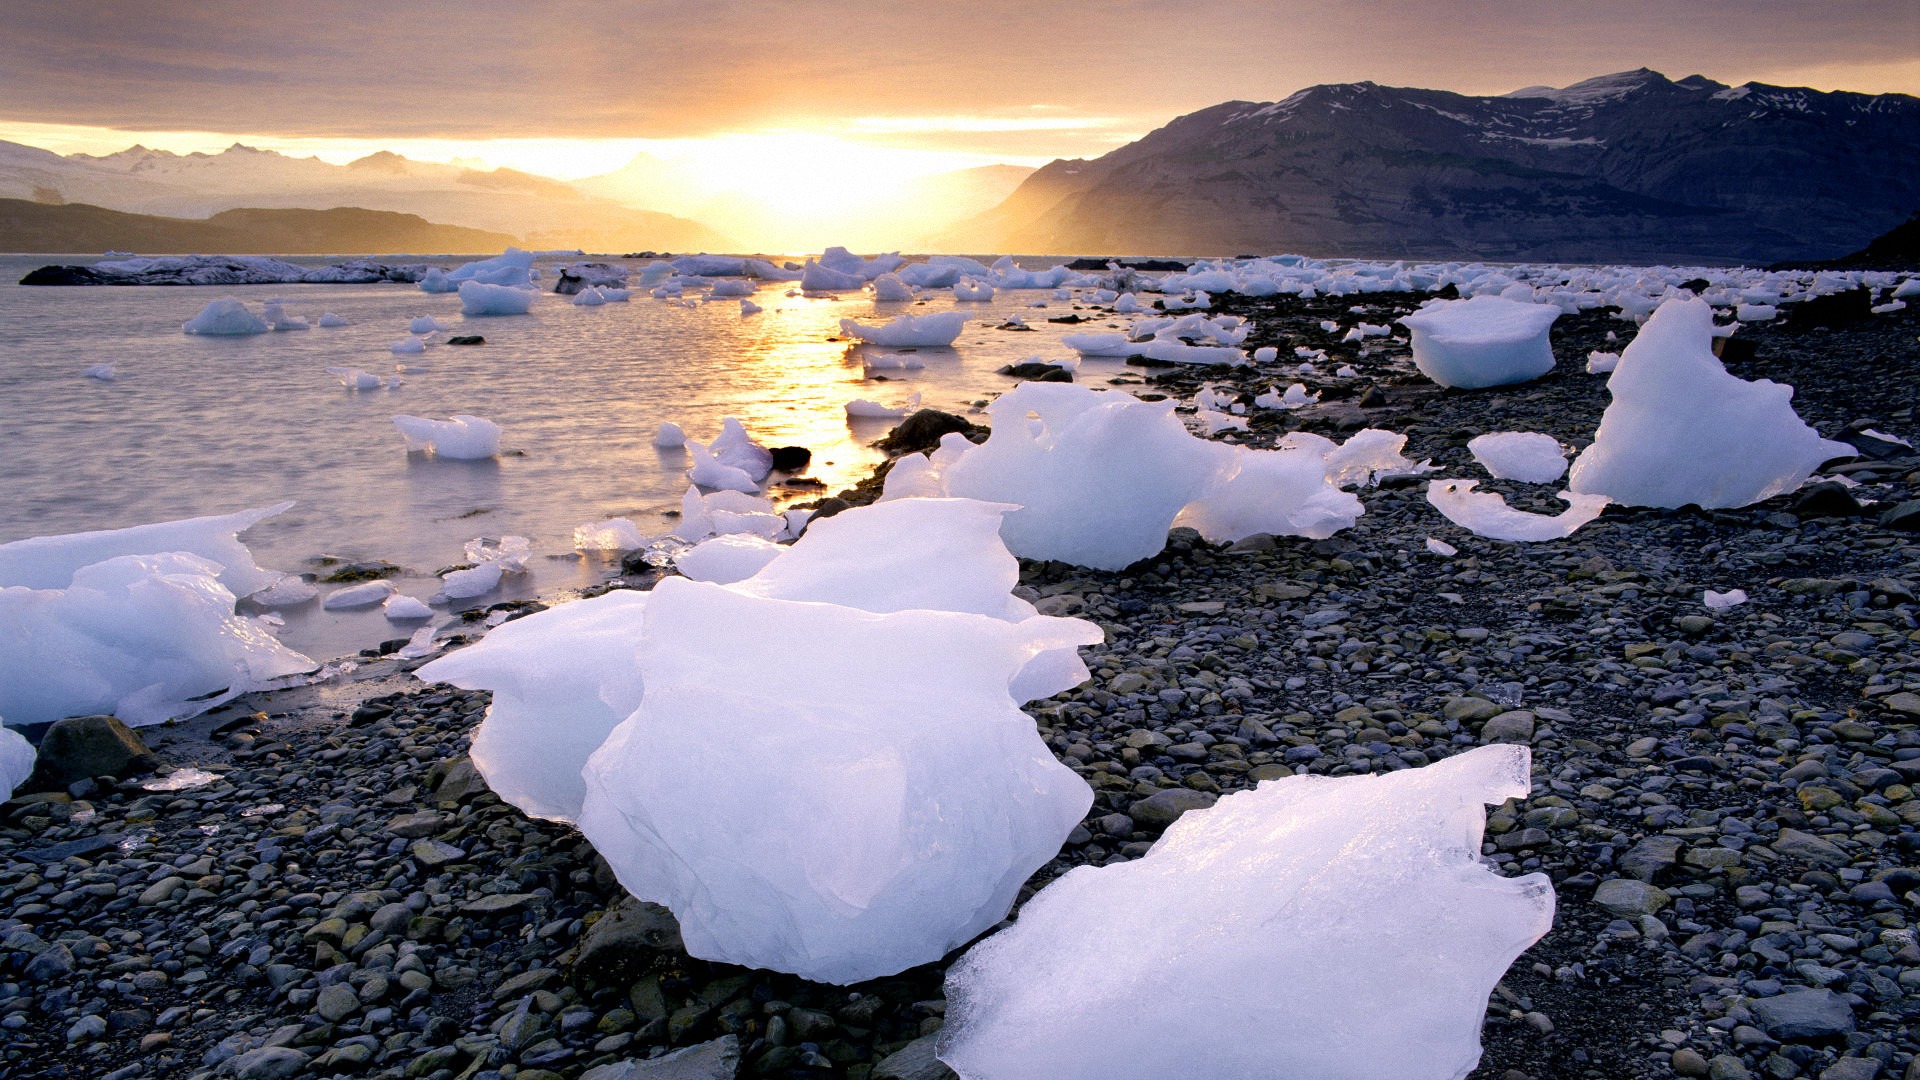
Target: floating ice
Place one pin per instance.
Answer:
(225, 316)
(710, 473)
(888, 288)
(16, 760)
(1099, 344)
(289, 591)
(1720, 601)
(50, 562)
(472, 581)
(910, 797)
(886, 362)
(1334, 928)
(561, 679)
(103, 372)
(1482, 341)
(425, 324)
(735, 447)
(1486, 513)
(400, 608)
(514, 267)
(144, 637)
(748, 307)
(910, 331)
(970, 291)
(1681, 430)
(354, 378)
(365, 594)
(407, 347)
(1099, 475)
(589, 297)
(330, 321)
(669, 436)
(276, 318)
(727, 558)
(613, 534)
(861, 408)
(817, 278)
(1527, 456)
(723, 289)
(464, 438)
(1281, 492)
(478, 298)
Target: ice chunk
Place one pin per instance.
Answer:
(289, 591)
(1681, 429)
(1602, 363)
(1334, 928)
(329, 320)
(1720, 601)
(970, 291)
(888, 288)
(425, 324)
(1442, 548)
(735, 447)
(589, 297)
(1282, 492)
(225, 316)
(1296, 397)
(727, 558)
(1367, 457)
(276, 318)
(1482, 341)
(400, 608)
(748, 307)
(669, 436)
(817, 278)
(354, 378)
(863, 409)
(1099, 475)
(868, 819)
(910, 331)
(479, 298)
(144, 637)
(365, 594)
(1099, 344)
(464, 437)
(472, 581)
(561, 679)
(613, 534)
(514, 267)
(1486, 513)
(50, 562)
(103, 372)
(16, 760)
(1527, 456)
(407, 347)
(1213, 423)
(709, 472)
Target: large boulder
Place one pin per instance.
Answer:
(83, 747)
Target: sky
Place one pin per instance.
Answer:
(779, 90)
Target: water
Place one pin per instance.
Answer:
(205, 425)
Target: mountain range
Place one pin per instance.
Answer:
(1631, 168)
(74, 227)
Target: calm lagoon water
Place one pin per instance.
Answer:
(205, 425)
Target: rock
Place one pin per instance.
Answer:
(1851, 1068)
(1904, 516)
(161, 891)
(1469, 710)
(1035, 371)
(1727, 1067)
(921, 432)
(434, 854)
(454, 780)
(466, 339)
(620, 944)
(1904, 702)
(1651, 857)
(1163, 808)
(336, 1003)
(54, 961)
(82, 747)
(268, 1063)
(497, 904)
(415, 826)
(1794, 844)
(1515, 726)
(1800, 1015)
(716, 1060)
(1828, 498)
(1688, 1062)
(914, 1061)
(790, 458)
(1630, 896)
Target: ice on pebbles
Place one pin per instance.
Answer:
(365, 594)
(1442, 548)
(1296, 397)
(1681, 429)
(1099, 475)
(146, 637)
(669, 436)
(1340, 928)
(1367, 457)
(613, 534)
(225, 317)
(1721, 601)
(910, 331)
(16, 760)
(478, 298)
(727, 558)
(50, 562)
(1526, 456)
(1281, 492)
(400, 608)
(561, 679)
(1482, 341)
(465, 438)
(1602, 363)
(910, 797)
(1486, 513)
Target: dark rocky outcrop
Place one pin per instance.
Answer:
(83, 747)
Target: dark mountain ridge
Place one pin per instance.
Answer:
(31, 227)
(1631, 167)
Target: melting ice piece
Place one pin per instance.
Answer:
(1720, 601)
(465, 438)
(103, 372)
(1442, 548)
(181, 780)
(1296, 397)
(1486, 513)
(1213, 423)
(970, 291)
(817, 278)
(365, 594)
(400, 608)
(910, 331)
(1099, 475)
(748, 307)
(735, 447)
(1352, 908)
(868, 819)
(708, 472)
(289, 591)
(1600, 363)
(727, 558)
(407, 347)
(479, 298)
(144, 637)
(863, 409)
(1681, 429)
(1282, 492)
(888, 289)
(472, 581)
(1527, 456)
(425, 324)
(613, 534)
(50, 562)
(354, 378)
(226, 316)
(16, 760)
(1483, 341)
(330, 321)
(669, 436)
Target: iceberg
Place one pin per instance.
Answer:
(50, 562)
(1681, 429)
(969, 291)
(225, 317)
(888, 289)
(817, 278)
(16, 760)
(465, 438)
(1333, 928)
(478, 298)
(1486, 513)
(1526, 456)
(910, 331)
(1482, 341)
(148, 638)
(512, 268)
(872, 818)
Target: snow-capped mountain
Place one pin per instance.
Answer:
(1630, 167)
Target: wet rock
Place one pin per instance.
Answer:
(1802, 1015)
(625, 940)
(716, 1060)
(83, 747)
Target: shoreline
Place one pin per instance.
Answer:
(1711, 753)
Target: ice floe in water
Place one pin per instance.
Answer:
(1681, 429)
(1486, 513)
(613, 534)
(225, 317)
(478, 298)
(145, 637)
(1339, 928)
(1527, 456)
(669, 436)
(365, 594)
(16, 760)
(1482, 341)
(910, 331)
(50, 562)
(464, 437)
(867, 819)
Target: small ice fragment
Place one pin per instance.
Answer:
(16, 761)
(400, 608)
(471, 582)
(181, 780)
(330, 321)
(1442, 548)
(1486, 513)
(1346, 372)
(464, 438)
(1884, 437)
(103, 372)
(1527, 456)
(420, 644)
(425, 324)
(289, 591)
(748, 307)
(669, 436)
(263, 809)
(225, 317)
(1720, 601)
(365, 594)
(613, 534)
(1600, 363)
(863, 409)
(1216, 422)
(407, 347)
(1266, 355)
(354, 378)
